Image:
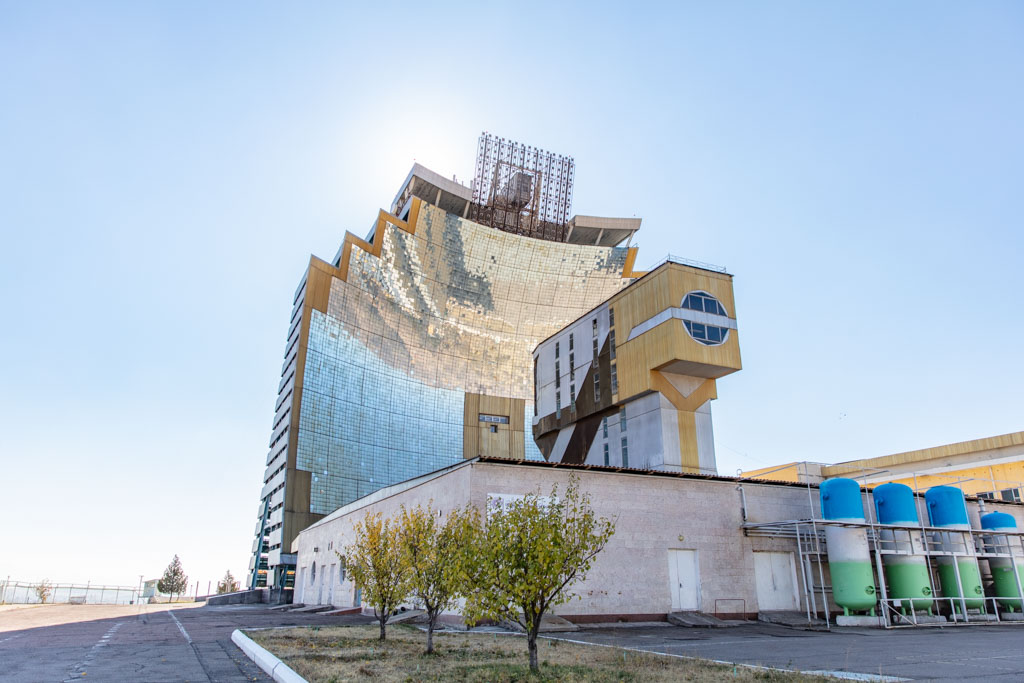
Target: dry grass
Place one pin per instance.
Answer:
(353, 653)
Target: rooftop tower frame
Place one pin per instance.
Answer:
(522, 189)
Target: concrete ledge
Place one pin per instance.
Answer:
(237, 598)
(273, 666)
(859, 620)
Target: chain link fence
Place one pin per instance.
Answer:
(26, 593)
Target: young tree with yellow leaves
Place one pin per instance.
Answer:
(432, 551)
(377, 566)
(529, 552)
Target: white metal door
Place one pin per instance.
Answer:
(775, 574)
(684, 579)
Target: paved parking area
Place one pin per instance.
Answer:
(155, 643)
(150, 643)
(986, 653)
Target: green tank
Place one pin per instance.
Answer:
(970, 579)
(853, 586)
(1005, 584)
(907, 579)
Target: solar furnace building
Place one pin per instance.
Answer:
(412, 349)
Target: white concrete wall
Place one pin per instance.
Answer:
(582, 357)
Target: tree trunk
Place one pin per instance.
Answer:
(431, 618)
(531, 640)
(383, 634)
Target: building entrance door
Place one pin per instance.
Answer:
(684, 579)
(330, 586)
(775, 575)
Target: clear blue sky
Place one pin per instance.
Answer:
(167, 168)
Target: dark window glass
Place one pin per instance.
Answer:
(698, 331)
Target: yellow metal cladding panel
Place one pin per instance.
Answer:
(689, 457)
(669, 346)
(922, 456)
(972, 480)
(776, 473)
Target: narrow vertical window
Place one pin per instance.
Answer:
(597, 388)
(535, 386)
(622, 419)
(604, 431)
(611, 317)
(625, 453)
(606, 459)
(615, 380)
(556, 349)
(570, 342)
(558, 374)
(611, 343)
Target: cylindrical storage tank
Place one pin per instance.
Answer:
(906, 575)
(849, 560)
(947, 510)
(1006, 584)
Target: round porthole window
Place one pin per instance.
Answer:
(703, 327)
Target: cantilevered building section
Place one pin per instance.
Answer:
(412, 348)
(630, 383)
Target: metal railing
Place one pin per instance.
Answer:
(25, 593)
(683, 261)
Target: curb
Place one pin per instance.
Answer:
(273, 666)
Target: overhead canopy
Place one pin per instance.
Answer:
(601, 231)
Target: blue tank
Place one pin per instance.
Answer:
(840, 499)
(895, 504)
(946, 506)
(998, 520)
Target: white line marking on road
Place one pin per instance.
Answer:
(181, 628)
(79, 670)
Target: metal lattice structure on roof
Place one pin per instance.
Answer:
(522, 189)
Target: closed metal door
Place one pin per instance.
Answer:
(775, 575)
(685, 579)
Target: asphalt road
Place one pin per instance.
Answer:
(983, 653)
(145, 643)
